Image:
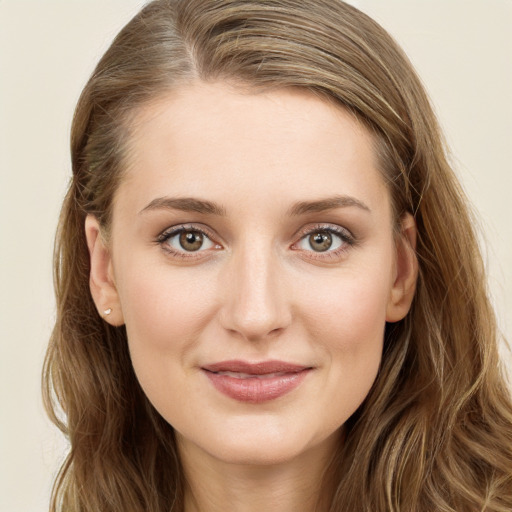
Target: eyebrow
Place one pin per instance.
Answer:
(329, 203)
(185, 204)
(190, 204)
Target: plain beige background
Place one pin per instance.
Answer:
(461, 48)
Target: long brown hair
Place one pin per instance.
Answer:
(435, 432)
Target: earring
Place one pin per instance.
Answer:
(107, 311)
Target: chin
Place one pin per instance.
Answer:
(264, 446)
(258, 454)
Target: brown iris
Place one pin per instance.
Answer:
(320, 241)
(191, 240)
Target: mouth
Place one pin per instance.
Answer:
(255, 382)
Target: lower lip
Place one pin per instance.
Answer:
(256, 390)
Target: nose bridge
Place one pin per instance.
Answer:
(256, 304)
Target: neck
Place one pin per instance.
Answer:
(214, 485)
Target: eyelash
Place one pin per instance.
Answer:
(166, 235)
(346, 238)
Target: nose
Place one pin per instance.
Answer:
(256, 304)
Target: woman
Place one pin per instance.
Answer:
(269, 291)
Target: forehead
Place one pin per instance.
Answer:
(215, 138)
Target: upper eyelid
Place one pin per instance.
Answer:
(301, 232)
(332, 228)
(174, 230)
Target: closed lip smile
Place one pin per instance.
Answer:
(255, 382)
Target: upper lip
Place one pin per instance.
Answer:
(260, 368)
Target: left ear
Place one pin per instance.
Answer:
(404, 286)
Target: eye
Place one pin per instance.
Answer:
(320, 241)
(332, 240)
(186, 240)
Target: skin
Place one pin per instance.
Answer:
(257, 289)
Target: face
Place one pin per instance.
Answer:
(253, 260)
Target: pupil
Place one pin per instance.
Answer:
(191, 240)
(321, 241)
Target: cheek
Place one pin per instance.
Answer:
(164, 312)
(346, 319)
(164, 307)
(350, 308)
